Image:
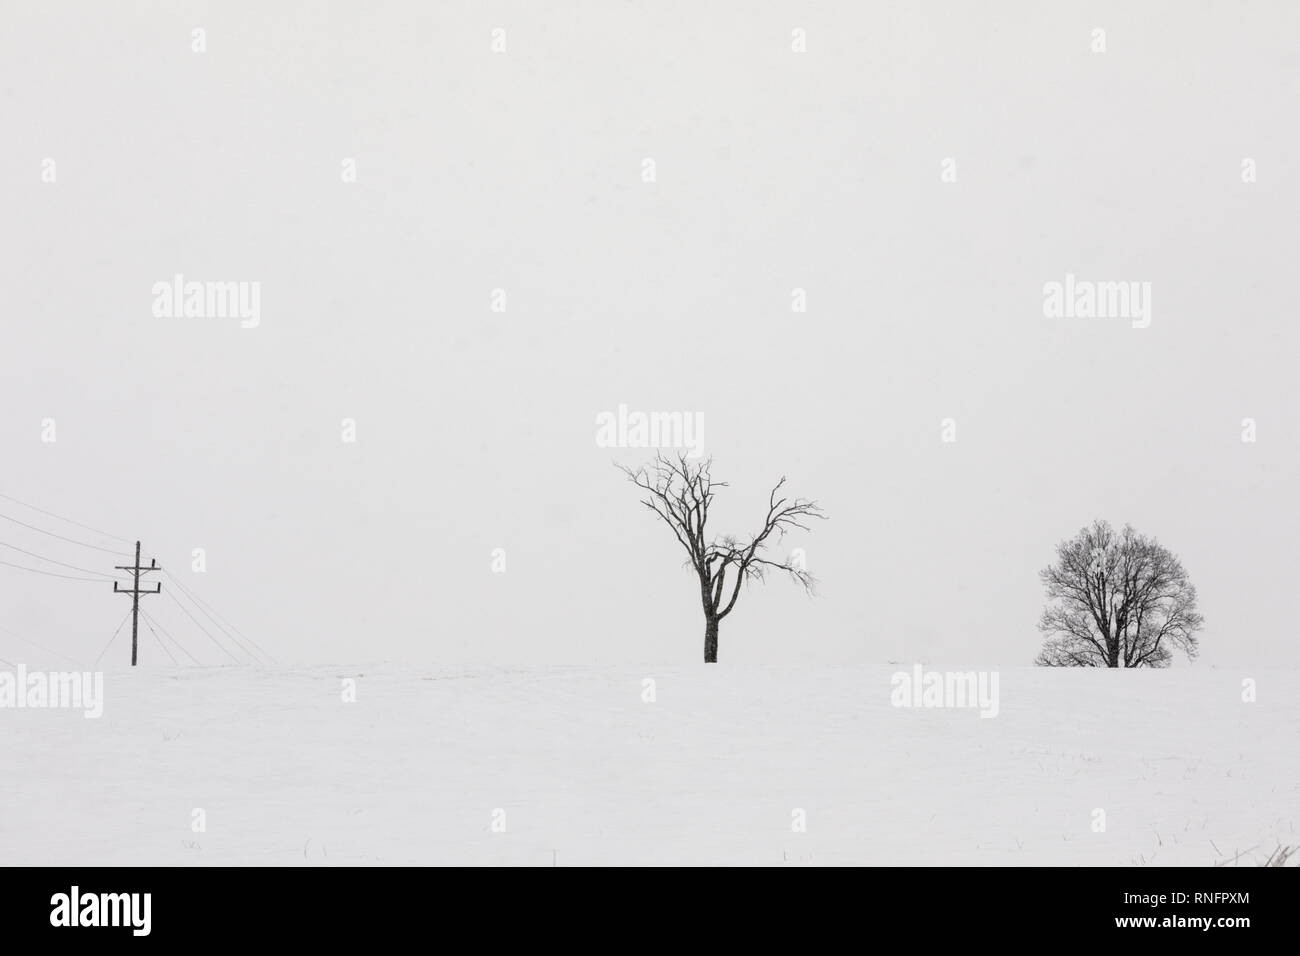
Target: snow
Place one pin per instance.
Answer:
(711, 772)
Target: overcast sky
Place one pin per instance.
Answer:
(523, 170)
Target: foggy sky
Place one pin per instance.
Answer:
(522, 171)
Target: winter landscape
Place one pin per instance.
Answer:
(561, 434)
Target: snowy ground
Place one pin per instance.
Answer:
(712, 771)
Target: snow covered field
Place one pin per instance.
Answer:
(712, 771)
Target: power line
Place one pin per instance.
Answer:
(48, 650)
(179, 646)
(202, 628)
(112, 639)
(216, 618)
(51, 514)
(135, 592)
(205, 607)
(53, 574)
(165, 648)
(33, 554)
(94, 547)
(202, 606)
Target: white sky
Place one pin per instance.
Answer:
(522, 170)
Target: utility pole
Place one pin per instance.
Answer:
(135, 593)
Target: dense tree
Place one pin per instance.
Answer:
(1116, 599)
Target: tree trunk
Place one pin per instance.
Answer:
(711, 640)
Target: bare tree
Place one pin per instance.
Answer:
(680, 492)
(1121, 600)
